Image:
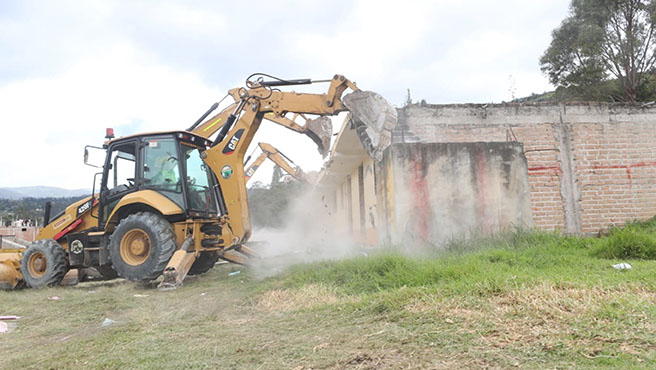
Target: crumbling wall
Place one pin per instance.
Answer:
(590, 165)
(449, 190)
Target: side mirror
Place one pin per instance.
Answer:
(94, 156)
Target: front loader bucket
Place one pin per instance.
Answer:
(320, 130)
(373, 118)
(10, 276)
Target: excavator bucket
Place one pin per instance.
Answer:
(320, 130)
(373, 118)
(10, 276)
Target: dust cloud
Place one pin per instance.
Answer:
(307, 235)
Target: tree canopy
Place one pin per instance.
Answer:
(602, 40)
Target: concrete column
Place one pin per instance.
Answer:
(568, 182)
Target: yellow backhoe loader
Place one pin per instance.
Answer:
(277, 157)
(174, 203)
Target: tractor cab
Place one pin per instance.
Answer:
(169, 164)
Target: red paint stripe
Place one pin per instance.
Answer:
(555, 169)
(68, 229)
(626, 167)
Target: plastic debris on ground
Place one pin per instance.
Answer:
(140, 295)
(622, 266)
(234, 273)
(53, 298)
(203, 294)
(108, 322)
(7, 327)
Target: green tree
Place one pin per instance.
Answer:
(601, 40)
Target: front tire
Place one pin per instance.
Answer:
(141, 246)
(44, 264)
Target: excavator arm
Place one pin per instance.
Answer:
(250, 170)
(374, 119)
(372, 116)
(277, 157)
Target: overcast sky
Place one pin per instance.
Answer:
(69, 69)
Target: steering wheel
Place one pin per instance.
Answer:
(130, 182)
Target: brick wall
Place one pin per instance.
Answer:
(27, 233)
(590, 165)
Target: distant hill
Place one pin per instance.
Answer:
(5, 193)
(40, 192)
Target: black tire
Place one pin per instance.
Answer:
(204, 262)
(107, 272)
(44, 264)
(143, 228)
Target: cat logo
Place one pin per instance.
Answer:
(232, 143)
(251, 171)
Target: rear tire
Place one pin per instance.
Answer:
(43, 264)
(141, 246)
(204, 263)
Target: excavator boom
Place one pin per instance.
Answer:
(277, 157)
(374, 115)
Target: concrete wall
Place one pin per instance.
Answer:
(590, 165)
(438, 191)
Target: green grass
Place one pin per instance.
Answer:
(636, 240)
(527, 299)
(502, 263)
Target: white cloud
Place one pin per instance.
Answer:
(71, 68)
(47, 121)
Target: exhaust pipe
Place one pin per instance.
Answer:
(46, 215)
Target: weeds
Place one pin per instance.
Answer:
(635, 241)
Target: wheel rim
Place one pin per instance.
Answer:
(135, 247)
(37, 264)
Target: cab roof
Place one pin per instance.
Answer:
(181, 134)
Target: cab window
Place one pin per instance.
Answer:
(123, 167)
(198, 183)
(161, 167)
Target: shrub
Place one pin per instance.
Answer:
(633, 241)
